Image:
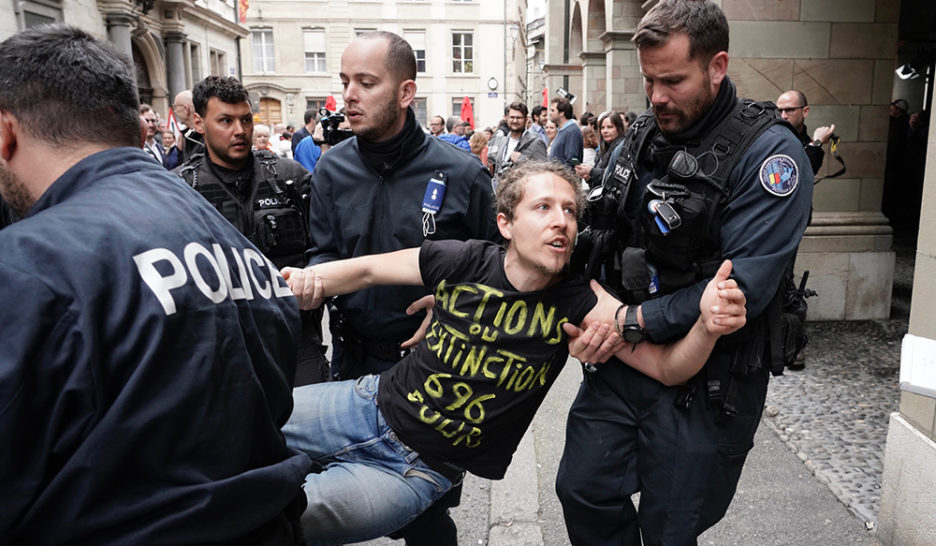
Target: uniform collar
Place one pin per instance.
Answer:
(91, 169)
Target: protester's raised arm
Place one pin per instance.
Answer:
(313, 284)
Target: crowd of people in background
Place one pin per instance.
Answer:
(587, 150)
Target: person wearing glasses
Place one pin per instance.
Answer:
(793, 107)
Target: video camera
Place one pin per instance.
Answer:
(330, 121)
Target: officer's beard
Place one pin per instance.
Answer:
(15, 193)
(687, 116)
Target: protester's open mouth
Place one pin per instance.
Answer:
(560, 243)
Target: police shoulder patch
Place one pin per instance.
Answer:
(779, 175)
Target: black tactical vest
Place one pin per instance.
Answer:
(668, 238)
(269, 211)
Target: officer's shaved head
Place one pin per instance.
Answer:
(400, 59)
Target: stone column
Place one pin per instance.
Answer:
(118, 31)
(594, 85)
(622, 73)
(175, 62)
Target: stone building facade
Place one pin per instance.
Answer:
(173, 43)
(464, 48)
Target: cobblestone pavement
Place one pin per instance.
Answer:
(834, 413)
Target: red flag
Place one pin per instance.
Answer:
(331, 104)
(243, 5)
(545, 97)
(467, 113)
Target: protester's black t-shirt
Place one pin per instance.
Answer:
(471, 388)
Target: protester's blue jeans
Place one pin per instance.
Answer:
(372, 484)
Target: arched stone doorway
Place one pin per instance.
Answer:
(144, 87)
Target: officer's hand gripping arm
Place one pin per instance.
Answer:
(722, 309)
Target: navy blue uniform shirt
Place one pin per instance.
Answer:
(760, 233)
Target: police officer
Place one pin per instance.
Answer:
(701, 176)
(143, 392)
(390, 187)
(263, 195)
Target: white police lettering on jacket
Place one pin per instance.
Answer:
(236, 278)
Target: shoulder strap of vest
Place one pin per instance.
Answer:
(734, 135)
(189, 170)
(635, 138)
(267, 171)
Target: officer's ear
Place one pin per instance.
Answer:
(9, 126)
(407, 93)
(718, 67)
(198, 123)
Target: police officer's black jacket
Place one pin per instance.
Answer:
(142, 391)
(267, 204)
(356, 211)
(757, 228)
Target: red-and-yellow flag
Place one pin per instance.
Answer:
(242, 9)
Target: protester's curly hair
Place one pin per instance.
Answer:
(510, 188)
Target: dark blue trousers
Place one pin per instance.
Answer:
(625, 434)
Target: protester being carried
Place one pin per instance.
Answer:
(392, 444)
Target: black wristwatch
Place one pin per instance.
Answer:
(631, 331)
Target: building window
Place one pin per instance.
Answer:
(419, 107)
(456, 105)
(314, 40)
(462, 52)
(195, 54)
(359, 31)
(263, 55)
(315, 103)
(417, 40)
(218, 66)
(40, 13)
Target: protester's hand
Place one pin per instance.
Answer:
(823, 133)
(515, 156)
(595, 344)
(305, 285)
(423, 303)
(723, 303)
(915, 120)
(583, 171)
